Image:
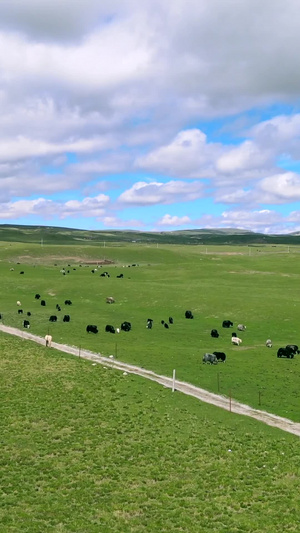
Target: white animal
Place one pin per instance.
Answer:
(241, 327)
(268, 343)
(48, 340)
(19, 303)
(236, 340)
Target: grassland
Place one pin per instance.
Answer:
(88, 450)
(259, 289)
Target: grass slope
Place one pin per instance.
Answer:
(258, 290)
(87, 449)
(67, 236)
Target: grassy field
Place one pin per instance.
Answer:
(86, 449)
(258, 288)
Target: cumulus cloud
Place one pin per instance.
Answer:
(150, 193)
(174, 221)
(188, 155)
(88, 207)
(130, 87)
(261, 221)
(118, 223)
(247, 156)
(281, 188)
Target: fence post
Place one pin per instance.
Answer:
(173, 384)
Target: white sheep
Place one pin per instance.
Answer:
(236, 340)
(48, 340)
(268, 343)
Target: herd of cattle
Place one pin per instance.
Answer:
(212, 358)
(288, 351)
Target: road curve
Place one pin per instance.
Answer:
(186, 388)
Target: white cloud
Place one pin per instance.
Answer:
(188, 155)
(129, 86)
(175, 221)
(118, 223)
(247, 156)
(261, 221)
(281, 188)
(24, 147)
(151, 193)
(88, 207)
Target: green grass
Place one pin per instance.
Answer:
(87, 449)
(258, 290)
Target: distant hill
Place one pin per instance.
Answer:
(67, 236)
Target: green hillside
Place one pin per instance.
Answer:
(65, 236)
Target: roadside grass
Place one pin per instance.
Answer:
(259, 290)
(88, 449)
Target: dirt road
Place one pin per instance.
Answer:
(186, 388)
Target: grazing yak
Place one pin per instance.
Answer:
(66, 318)
(149, 323)
(126, 326)
(221, 356)
(214, 333)
(26, 324)
(189, 314)
(91, 329)
(37, 296)
(43, 303)
(110, 300)
(285, 352)
(227, 324)
(110, 329)
(120, 276)
(241, 327)
(210, 358)
(48, 340)
(53, 318)
(68, 302)
(236, 341)
(28, 313)
(20, 311)
(293, 347)
(19, 303)
(171, 321)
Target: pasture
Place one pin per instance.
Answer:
(257, 287)
(88, 449)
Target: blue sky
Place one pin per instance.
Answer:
(150, 115)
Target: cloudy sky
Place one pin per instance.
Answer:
(153, 115)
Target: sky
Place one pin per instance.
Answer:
(150, 115)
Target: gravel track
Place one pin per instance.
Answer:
(186, 388)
